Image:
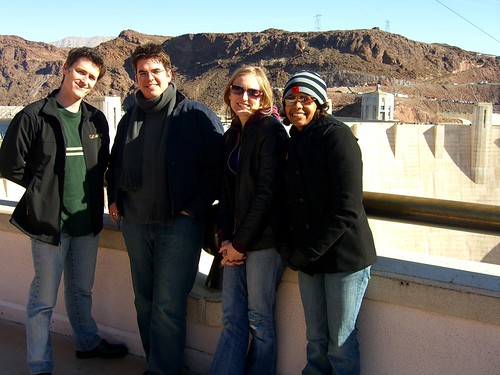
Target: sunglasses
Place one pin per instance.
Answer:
(304, 100)
(238, 90)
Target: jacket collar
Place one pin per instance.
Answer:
(314, 126)
(256, 117)
(50, 106)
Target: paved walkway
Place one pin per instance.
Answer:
(13, 356)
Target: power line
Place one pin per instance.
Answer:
(465, 19)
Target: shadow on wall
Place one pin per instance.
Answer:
(457, 144)
(493, 256)
(430, 136)
(391, 133)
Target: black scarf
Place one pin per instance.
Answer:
(131, 176)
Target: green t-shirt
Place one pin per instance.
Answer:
(75, 214)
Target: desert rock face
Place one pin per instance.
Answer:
(434, 78)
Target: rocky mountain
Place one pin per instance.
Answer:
(434, 79)
(76, 41)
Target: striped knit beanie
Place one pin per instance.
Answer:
(307, 82)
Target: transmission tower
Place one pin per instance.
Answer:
(317, 22)
(388, 26)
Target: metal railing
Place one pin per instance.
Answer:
(463, 216)
(455, 215)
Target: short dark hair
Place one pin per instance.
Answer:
(87, 53)
(150, 51)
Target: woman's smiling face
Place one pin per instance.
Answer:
(300, 112)
(244, 105)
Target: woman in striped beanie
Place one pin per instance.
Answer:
(329, 240)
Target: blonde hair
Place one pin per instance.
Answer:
(267, 98)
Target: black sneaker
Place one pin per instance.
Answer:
(104, 350)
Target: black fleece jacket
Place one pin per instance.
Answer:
(33, 155)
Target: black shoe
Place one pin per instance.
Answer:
(44, 373)
(104, 350)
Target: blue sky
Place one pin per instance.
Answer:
(473, 25)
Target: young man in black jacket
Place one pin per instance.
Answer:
(57, 149)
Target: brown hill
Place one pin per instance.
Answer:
(437, 78)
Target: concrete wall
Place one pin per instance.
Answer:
(431, 161)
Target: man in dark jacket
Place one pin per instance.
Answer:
(57, 149)
(164, 175)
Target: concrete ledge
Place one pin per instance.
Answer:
(448, 291)
(460, 293)
(204, 305)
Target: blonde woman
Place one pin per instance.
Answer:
(249, 208)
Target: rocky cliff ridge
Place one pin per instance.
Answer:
(436, 78)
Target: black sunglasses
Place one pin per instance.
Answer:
(238, 90)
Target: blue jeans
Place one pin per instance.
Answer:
(331, 305)
(77, 257)
(248, 301)
(164, 264)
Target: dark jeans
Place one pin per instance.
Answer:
(164, 263)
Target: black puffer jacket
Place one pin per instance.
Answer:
(33, 155)
(329, 230)
(250, 205)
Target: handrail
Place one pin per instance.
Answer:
(464, 216)
(455, 215)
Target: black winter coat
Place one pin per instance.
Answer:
(253, 199)
(329, 231)
(194, 158)
(33, 155)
